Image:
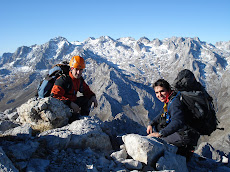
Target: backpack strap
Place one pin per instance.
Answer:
(65, 82)
(81, 88)
(167, 116)
(172, 99)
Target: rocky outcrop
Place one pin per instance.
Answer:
(5, 162)
(79, 134)
(44, 114)
(146, 149)
(89, 144)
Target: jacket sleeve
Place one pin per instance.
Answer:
(58, 90)
(177, 117)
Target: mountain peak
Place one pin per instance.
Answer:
(58, 39)
(106, 38)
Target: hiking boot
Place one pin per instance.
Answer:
(74, 117)
(186, 151)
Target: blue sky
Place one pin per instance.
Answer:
(29, 22)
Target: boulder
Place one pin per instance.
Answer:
(6, 125)
(132, 164)
(87, 133)
(172, 161)
(79, 134)
(44, 114)
(56, 138)
(21, 132)
(22, 151)
(146, 149)
(119, 155)
(38, 164)
(9, 114)
(5, 163)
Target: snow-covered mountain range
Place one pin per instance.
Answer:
(120, 71)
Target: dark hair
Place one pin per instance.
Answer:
(163, 83)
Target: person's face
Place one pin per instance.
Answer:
(161, 93)
(77, 73)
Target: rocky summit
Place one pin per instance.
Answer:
(36, 136)
(89, 144)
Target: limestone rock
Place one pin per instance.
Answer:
(79, 134)
(44, 114)
(132, 164)
(87, 133)
(23, 151)
(5, 163)
(56, 138)
(171, 161)
(21, 132)
(145, 149)
(38, 165)
(119, 155)
(6, 125)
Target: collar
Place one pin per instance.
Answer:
(168, 98)
(71, 75)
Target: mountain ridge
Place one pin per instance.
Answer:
(113, 65)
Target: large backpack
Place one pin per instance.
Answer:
(201, 113)
(45, 86)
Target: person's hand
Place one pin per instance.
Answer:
(154, 134)
(149, 129)
(75, 107)
(94, 101)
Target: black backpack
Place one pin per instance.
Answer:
(198, 103)
(45, 86)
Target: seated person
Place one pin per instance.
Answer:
(66, 88)
(170, 124)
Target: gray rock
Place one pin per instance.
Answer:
(21, 165)
(104, 162)
(171, 161)
(222, 168)
(146, 149)
(13, 116)
(23, 151)
(3, 116)
(79, 134)
(222, 144)
(21, 132)
(44, 114)
(204, 164)
(5, 163)
(119, 155)
(132, 164)
(6, 125)
(87, 133)
(8, 111)
(56, 138)
(37, 165)
(206, 150)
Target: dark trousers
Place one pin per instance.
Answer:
(83, 103)
(185, 144)
(174, 139)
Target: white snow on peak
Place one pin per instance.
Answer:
(22, 69)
